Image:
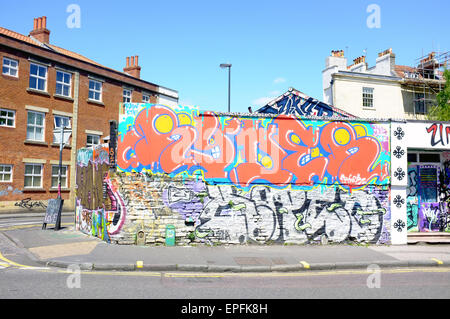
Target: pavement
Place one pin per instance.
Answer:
(68, 248)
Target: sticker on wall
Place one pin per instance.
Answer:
(398, 152)
(399, 225)
(398, 201)
(399, 133)
(399, 173)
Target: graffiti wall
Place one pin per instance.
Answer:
(234, 180)
(296, 103)
(277, 151)
(100, 210)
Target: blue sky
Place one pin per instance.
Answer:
(272, 45)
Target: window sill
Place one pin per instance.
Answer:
(95, 102)
(44, 93)
(62, 97)
(5, 126)
(35, 142)
(10, 77)
(53, 189)
(30, 190)
(368, 108)
(58, 145)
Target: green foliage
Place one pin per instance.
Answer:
(441, 111)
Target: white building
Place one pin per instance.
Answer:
(386, 90)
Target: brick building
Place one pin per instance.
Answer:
(44, 87)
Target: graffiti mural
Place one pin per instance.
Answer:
(279, 152)
(296, 103)
(229, 179)
(100, 210)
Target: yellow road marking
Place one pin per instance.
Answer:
(305, 264)
(439, 262)
(12, 263)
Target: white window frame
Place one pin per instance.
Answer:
(38, 77)
(368, 97)
(9, 67)
(93, 136)
(8, 117)
(34, 125)
(57, 128)
(63, 84)
(127, 93)
(94, 90)
(145, 98)
(33, 175)
(3, 172)
(63, 176)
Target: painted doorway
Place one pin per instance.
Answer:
(427, 209)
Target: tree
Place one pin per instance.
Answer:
(441, 111)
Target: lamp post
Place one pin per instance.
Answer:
(223, 66)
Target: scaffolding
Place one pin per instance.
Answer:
(426, 80)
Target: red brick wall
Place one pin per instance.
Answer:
(91, 116)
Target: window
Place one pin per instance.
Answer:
(95, 90)
(35, 126)
(7, 118)
(126, 96)
(430, 158)
(33, 175)
(60, 122)
(10, 67)
(92, 140)
(5, 173)
(63, 81)
(55, 174)
(145, 98)
(38, 77)
(412, 157)
(419, 103)
(424, 158)
(367, 97)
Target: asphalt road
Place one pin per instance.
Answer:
(21, 278)
(23, 281)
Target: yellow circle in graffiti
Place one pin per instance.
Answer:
(184, 119)
(295, 139)
(360, 130)
(266, 161)
(164, 124)
(342, 136)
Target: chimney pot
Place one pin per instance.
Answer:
(40, 31)
(136, 60)
(128, 61)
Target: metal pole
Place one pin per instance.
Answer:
(61, 146)
(229, 88)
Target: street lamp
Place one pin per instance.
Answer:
(223, 66)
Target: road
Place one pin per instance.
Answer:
(12, 221)
(23, 278)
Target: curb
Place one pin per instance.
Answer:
(245, 269)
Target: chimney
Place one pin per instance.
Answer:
(40, 31)
(385, 63)
(132, 68)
